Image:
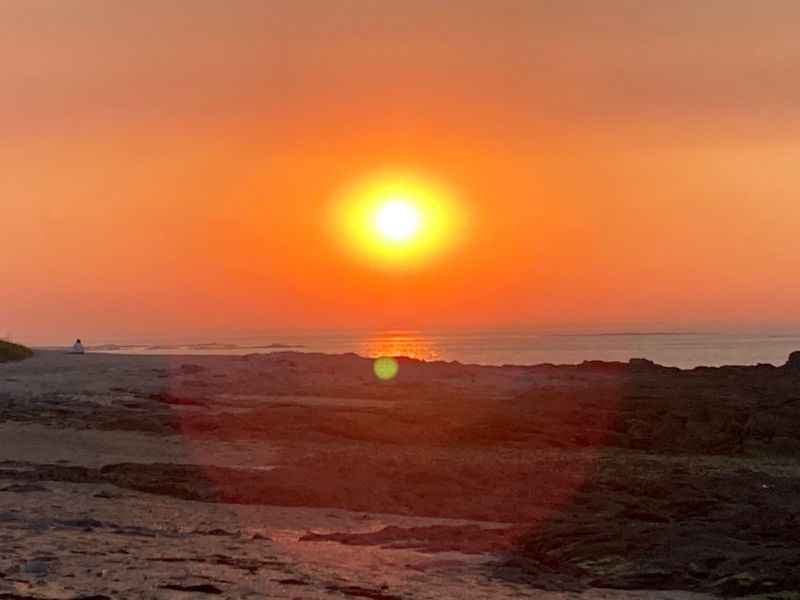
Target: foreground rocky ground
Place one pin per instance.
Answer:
(298, 476)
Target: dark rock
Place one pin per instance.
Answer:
(216, 531)
(290, 581)
(793, 363)
(204, 588)
(37, 566)
(106, 495)
(362, 592)
(642, 364)
(640, 580)
(168, 398)
(781, 444)
(21, 488)
(86, 523)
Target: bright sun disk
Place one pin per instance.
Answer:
(397, 219)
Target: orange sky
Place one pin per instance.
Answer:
(168, 170)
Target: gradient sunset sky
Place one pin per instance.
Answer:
(170, 169)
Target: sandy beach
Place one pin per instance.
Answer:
(292, 475)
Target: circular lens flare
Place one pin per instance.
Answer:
(385, 368)
(397, 219)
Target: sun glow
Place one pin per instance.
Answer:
(398, 219)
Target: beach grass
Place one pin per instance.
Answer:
(10, 351)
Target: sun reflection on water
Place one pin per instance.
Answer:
(407, 344)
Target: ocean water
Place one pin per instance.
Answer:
(522, 346)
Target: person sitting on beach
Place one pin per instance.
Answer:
(77, 347)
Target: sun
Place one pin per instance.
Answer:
(398, 218)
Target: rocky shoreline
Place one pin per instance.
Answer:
(569, 479)
(697, 488)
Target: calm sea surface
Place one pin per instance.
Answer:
(682, 348)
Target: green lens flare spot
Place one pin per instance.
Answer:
(385, 368)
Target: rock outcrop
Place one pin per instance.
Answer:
(793, 364)
(695, 489)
